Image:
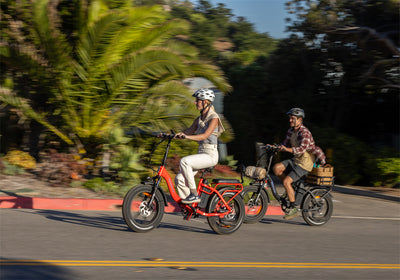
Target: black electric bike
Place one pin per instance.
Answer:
(314, 201)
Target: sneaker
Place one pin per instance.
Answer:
(192, 198)
(291, 213)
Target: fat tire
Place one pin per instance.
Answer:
(317, 215)
(146, 219)
(254, 215)
(227, 224)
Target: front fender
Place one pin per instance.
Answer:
(164, 196)
(266, 192)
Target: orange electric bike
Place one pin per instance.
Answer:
(221, 201)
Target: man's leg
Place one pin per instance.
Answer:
(284, 171)
(279, 170)
(287, 183)
(291, 212)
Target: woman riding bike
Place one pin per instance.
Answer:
(205, 130)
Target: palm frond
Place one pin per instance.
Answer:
(126, 69)
(10, 98)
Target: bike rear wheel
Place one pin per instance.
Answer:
(231, 221)
(317, 208)
(137, 213)
(255, 207)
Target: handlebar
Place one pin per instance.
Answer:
(163, 136)
(170, 136)
(272, 148)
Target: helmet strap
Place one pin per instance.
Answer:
(208, 105)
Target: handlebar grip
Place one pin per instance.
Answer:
(166, 136)
(162, 135)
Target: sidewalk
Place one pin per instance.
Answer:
(390, 194)
(28, 193)
(26, 202)
(85, 204)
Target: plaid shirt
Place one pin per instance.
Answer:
(304, 137)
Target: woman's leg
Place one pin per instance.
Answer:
(189, 166)
(181, 185)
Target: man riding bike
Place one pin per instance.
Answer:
(299, 142)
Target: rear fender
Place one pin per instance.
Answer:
(327, 192)
(266, 193)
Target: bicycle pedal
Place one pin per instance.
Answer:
(187, 216)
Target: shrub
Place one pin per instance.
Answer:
(384, 171)
(10, 169)
(225, 170)
(173, 163)
(357, 163)
(107, 187)
(21, 159)
(60, 168)
(348, 155)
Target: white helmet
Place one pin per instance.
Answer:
(204, 94)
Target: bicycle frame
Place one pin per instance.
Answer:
(298, 185)
(203, 187)
(313, 201)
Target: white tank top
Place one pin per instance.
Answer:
(203, 125)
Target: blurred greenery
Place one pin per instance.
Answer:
(122, 67)
(387, 172)
(99, 75)
(10, 169)
(107, 187)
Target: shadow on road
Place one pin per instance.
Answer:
(105, 221)
(99, 221)
(12, 269)
(282, 221)
(185, 228)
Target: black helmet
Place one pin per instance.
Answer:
(297, 112)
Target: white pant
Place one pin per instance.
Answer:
(206, 157)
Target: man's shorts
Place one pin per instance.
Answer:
(293, 170)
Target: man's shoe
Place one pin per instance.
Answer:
(291, 213)
(192, 198)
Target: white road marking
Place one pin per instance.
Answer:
(366, 218)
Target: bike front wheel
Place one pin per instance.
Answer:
(136, 211)
(256, 205)
(231, 221)
(317, 207)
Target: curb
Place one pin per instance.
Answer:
(14, 202)
(360, 192)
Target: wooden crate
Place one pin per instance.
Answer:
(322, 176)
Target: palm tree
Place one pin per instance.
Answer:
(119, 68)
